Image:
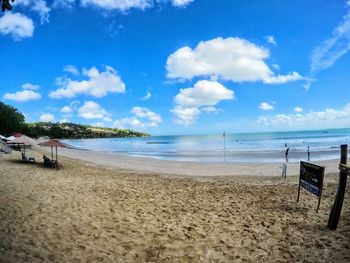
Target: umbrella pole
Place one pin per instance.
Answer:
(51, 153)
(24, 149)
(56, 155)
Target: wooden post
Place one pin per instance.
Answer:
(56, 159)
(339, 198)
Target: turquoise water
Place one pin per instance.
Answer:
(240, 147)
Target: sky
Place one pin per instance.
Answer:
(179, 66)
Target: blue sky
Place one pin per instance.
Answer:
(179, 66)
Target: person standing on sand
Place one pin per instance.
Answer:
(308, 153)
(287, 151)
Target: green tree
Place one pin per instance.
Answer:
(11, 120)
(6, 5)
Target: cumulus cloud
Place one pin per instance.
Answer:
(233, 59)
(98, 84)
(203, 96)
(38, 6)
(22, 96)
(64, 121)
(91, 110)
(266, 106)
(186, 116)
(181, 3)
(143, 118)
(271, 40)
(298, 109)
(47, 117)
(71, 69)
(147, 96)
(333, 48)
(30, 86)
(65, 4)
(16, 25)
(120, 5)
(66, 109)
(126, 5)
(315, 119)
(145, 113)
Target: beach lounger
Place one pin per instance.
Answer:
(27, 159)
(49, 163)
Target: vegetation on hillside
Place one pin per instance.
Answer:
(76, 131)
(12, 121)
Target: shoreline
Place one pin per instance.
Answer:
(185, 168)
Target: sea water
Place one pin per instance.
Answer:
(233, 147)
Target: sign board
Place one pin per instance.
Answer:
(311, 179)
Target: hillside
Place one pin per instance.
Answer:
(77, 131)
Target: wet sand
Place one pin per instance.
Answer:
(88, 212)
(151, 165)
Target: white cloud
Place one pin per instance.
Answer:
(266, 106)
(71, 69)
(120, 5)
(298, 109)
(67, 109)
(125, 5)
(153, 117)
(231, 59)
(22, 96)
(143, 118)
(332, 49)
(64, 120)
(47, 117)
(190, 102)
(181, 3)
(326, 118)
(147, 96)
(65, 4)
(276, 66)
(38, 6)
(30, 86)
(186, 116)
(98, 124)
(92, 110)
(98, 84)
(128, 122)
(16, 25)
(271, 40)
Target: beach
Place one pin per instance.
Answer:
(99, 212)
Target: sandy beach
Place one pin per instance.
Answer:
(108, 208)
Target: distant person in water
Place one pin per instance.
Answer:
(285, 145)
(308, 153)
(287, 151)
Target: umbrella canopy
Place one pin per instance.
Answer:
(54, 143)
(11, 138)
(3, 137)
(23, 140)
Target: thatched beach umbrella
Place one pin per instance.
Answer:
(54, 143)
(25, 140)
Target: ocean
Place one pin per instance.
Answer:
(233, 147)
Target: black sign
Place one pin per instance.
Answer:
(311, 179)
